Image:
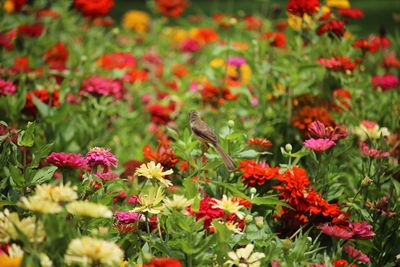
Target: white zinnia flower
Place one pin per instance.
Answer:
(243, 257)
(230, 206)
(89, 209)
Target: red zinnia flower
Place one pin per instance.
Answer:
(56, 57)
(338, 63)
(171, 8)
(161, 114)
(262, 144)
(307, 115)
(277, 39)
(118, 60)
(216, 95)
(352, 13)
(342, 98)
(163, 155)
(252, 23)
(103, 86)
(50, 99)
(31, 30)
(301, 7)
(90, 8)
(18, 5)
(207, 212)
(391, 61)
(257, 173)
(163, 262)
(333, 27)
(66, 160)
(385, 82)
(205, 35)
(342, 263)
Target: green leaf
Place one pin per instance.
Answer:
(233, 190)
(44, 174)
(43, 109)
(26, 138)
(16, 176)
(190, 188)
(269, 201)
(251, 153)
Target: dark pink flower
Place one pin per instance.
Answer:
(190, 46)
(98, 156)
(356, 254)
(385, 82)
(320, 144)
(132, 200)
(372, 152)
(107, 176)
(7, 87)
(126, 216)
(236, 61)
(66, 160)
(319, 130)
(361, 230)
(98, 85)
(336, 231)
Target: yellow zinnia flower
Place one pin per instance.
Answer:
(338, 3)
(175, 34)
(88, 209)
(153, 171)
(92, 251)
(151, 202)
(297, 23)
(136, 20)
(56, 193)
(36, 204)
(230, 206)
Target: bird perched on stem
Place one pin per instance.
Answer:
(207, 136)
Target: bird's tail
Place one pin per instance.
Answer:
(229, 163)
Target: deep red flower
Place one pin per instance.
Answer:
(163, 155)
(21, 64)
(117, 60)
(338, 63)
(7, 38)
(160, 114)
(48, 98)
(257, 173)
(253, 23)
(303, 118)
(90, 8)
(333, 28)
(277, 39)
(31, 30)
(352, 13)
(171, 8)
(163, 262)
(56, 57)
(180, 70)
(129, 167)
(216, 95)
(301, 7)
(207, 212)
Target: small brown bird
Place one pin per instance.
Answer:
(206, 135)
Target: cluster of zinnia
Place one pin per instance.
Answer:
(102, 86)
(325, 137)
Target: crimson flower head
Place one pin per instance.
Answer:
(163, 262)
(171, 8)
(385, 82)
(48, 98)
(31, 30)
(66, 160)
(255, 173)
(301, 7)
(333, 28)
(320, 144)
(336, 231)
(189, 45)
(98, 156)
(93, 9)
(277, 39)
(56, 57)
(161, 115)
(356, 254)
(252, 23)
(338, 63)
(391, 61)
(351, 13)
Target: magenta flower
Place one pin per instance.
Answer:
(103, 86)
(7, 87)
(356, 254)
(320, 144)
(126, 216)
(361, 230)
(98, 156)
(336, 231)
(385, 82)
(236, 61)
(107, 176)
(66, 160)
(190, 46)
(372, 152)
(319, 130)
(132, 200)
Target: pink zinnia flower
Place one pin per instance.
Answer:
(320, 144)
(66, 160)
(7, 87)
(190, 46)
(98, 156)
(236, 61)
(126, 216)
(356, 254)
(132, 200)
(361, 230)
(372, 152)
(318, 129)
(385, 82)
(107, 176)
(336, 231)
(98, 85)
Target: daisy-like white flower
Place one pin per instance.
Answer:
(153, 171)
(229, 206)
(56, 193)
(243, 257)
(89, 209)
(36, 204)
(88, 251)
(151, 202)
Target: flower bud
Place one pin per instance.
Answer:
(115, 31)
(288, 147)
(253, 190)
(83, 58)
(287, 243)
(248, 218)
(231, 123)
(366, 181)
(259, 221)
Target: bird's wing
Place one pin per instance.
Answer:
(202, 130)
